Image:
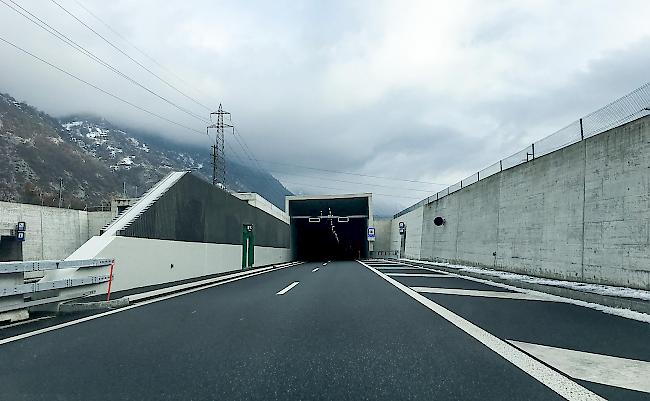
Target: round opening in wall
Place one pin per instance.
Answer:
(438, 221)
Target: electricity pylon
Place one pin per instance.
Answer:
(218, 149)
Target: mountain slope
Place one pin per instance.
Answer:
(97, 160)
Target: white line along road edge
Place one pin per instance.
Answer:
(225, 280)
(287, 288)
(557, 382)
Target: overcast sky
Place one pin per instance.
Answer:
(421, 90)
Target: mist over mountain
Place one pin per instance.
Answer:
(97, 160)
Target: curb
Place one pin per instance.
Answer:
(75, 307)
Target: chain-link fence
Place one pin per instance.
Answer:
(621, 111)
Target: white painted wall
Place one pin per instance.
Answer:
(141, 262)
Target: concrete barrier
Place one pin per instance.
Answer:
(581, 213)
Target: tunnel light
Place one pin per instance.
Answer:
(343, 219)
(314, 219)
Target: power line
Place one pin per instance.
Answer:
(129, 57)
(97, 87)
(349, 182)
(349, 173)
(142, 52)
(345, 189)
(65, 39)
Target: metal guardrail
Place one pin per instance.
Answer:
(630, 107)
(40, 265)
(13, 273)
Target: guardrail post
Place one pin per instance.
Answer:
(11, 280)
(582, 132)
(500, 165)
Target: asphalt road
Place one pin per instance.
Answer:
(343, 332)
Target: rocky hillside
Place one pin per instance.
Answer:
(96, 160)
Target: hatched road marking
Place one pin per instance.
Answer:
(555, 381)
(631, 374)
(480, 293)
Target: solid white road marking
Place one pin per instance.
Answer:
(143, 303)
(287, 288)
(479, 293)
(418, 275)
(315, 270)
(557, 382)
(603, 369)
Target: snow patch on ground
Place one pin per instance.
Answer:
(126, 161)
(625, 313)
(55, 140)
(68, 126)
(599, 289)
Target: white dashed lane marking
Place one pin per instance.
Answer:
(287, 288)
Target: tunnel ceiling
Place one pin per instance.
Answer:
(339, 206)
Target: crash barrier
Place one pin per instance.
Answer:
(15, 293)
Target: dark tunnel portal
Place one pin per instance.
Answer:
(331, 238)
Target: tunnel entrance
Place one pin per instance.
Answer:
(329, 227)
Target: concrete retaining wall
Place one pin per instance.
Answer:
(52, 233)
(382, 235)
(141, 262)
(581, 213)
(413, 221)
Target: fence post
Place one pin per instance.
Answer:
(461, 184)
(533, 146)
(582, 132)
(500, 165)
(478, 176)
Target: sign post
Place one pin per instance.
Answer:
(402, 233)
(21, 227)
(371, 234)
(248, 246)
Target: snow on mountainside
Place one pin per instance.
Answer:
(95, 158)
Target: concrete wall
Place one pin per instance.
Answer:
(617, 206)
(52, 233)
(141, 262)
(581, 213)
(382, 235)
(413, 221)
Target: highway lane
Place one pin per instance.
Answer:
(340, 333)
(580, 341)
(316, 331)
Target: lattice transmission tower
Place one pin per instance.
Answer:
(218, 149)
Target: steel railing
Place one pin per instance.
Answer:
(630, 107)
